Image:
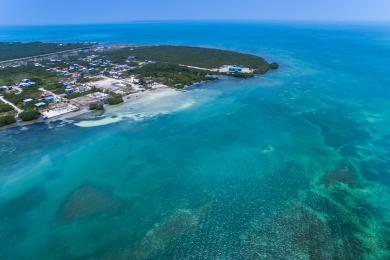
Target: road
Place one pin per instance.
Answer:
(18, 110)
(198, 68)
(57, 97)
(43, 55)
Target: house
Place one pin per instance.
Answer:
(235, 69)
(71, 69)
(26, 83)
(5, 88)
(27, 101)
(40, 105)
(69, 90)
(82, 88)
(131, 58)
(85, 71)
(49, 99)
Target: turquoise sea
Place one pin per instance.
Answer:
(291, 165)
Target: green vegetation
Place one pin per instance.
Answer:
(17, 50)
(81, 94)
(42, 78)
(193, 56)
(115, 100)
(83, 80)
(171, 75)
(5, 108)
(17, 99)
(241, 75)
(274, 66)
(7, 120)
(29, 115)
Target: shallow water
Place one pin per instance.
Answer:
(293, 165)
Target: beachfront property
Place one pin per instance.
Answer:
(69, 85)
(59, 110)
(87, 100)
(40, 105)
(234, 69)
(98, 96)
(73, 78)
(116, 86)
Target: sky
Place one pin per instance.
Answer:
(47, 12)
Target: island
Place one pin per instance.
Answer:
(40, 81)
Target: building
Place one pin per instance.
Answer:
(235, 69)
(26, 83)
(69, 91)
(40, 105)
(73, 68)
(59, 110)
(98, 96)
(49, 99)
(82, 88)
(27, 101)
(5, 88)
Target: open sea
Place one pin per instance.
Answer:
(291, 165)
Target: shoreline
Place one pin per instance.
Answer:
(90, 115)
(110, 78)
(136, 106)
(132, 98)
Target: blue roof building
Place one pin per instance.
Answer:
(49, 99)
(235, 69)
(40, 105)
(27, 101)
(69, 91)
(5, 88)
(26, 81)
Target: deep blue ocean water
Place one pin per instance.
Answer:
(291, 165)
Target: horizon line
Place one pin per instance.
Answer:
(305, 21)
